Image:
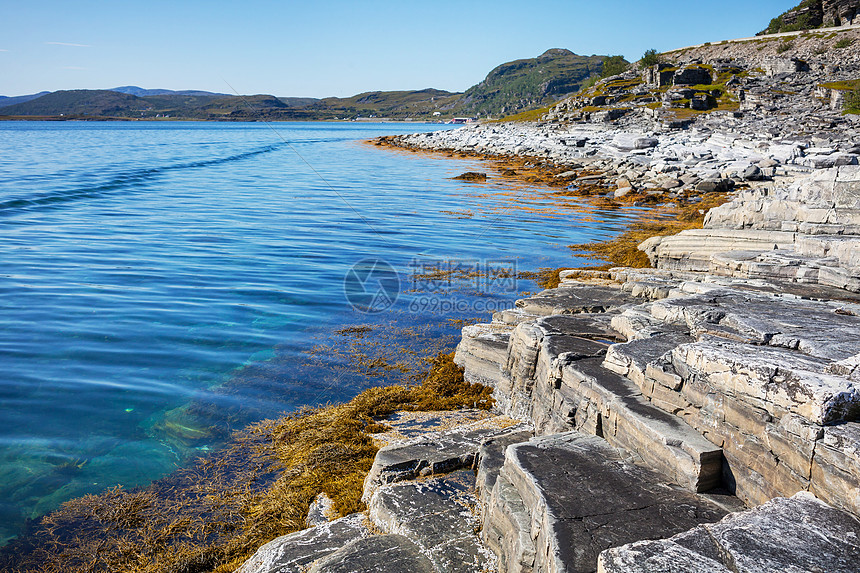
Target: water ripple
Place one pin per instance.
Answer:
(193, 261)
(121, 181)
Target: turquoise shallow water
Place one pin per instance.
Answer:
(144, 266)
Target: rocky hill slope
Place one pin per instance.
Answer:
(798, 76)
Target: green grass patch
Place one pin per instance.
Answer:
(528, 115)
(784, 47)
(852, 102)
(843, 85)
(624, 84)
(710, 88)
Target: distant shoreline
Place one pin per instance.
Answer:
(244, 120)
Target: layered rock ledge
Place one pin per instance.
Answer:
(737, 379)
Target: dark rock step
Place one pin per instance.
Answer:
(796, 534)
(432, 454)
(582, 496)
(613, 407)
(491, 457)
(577, 299)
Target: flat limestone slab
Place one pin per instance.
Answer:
(585, 496)
(816, 328)
(293, 553)
(405, 425)
(376, 554)
(691, 250)
(437, 515)
(597, 326)
(796, 535)
(482, 351)
(577, 299)
(777, 380)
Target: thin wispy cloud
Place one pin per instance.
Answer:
(2, 50)
(68, 44)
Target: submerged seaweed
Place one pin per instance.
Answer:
(622, 251)
(212, 516)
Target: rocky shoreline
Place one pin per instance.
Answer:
(699, 415)
(665, 419)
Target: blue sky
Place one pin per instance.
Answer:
(321, 48)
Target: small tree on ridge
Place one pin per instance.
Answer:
(651, 58)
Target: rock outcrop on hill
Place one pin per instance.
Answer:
(763, 116)
(811, 14)
(529, 83)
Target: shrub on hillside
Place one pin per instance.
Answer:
(784, 47)
(651, 58)
(805, 21)
(852, 101)
(614, 65)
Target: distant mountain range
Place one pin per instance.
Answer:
(509, 88)
(140, 92)
(7, 100)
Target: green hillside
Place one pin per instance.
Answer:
(110, 104)
(395, 104)
(530, 83)
(78, 102)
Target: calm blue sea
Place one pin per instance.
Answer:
(148, 266)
